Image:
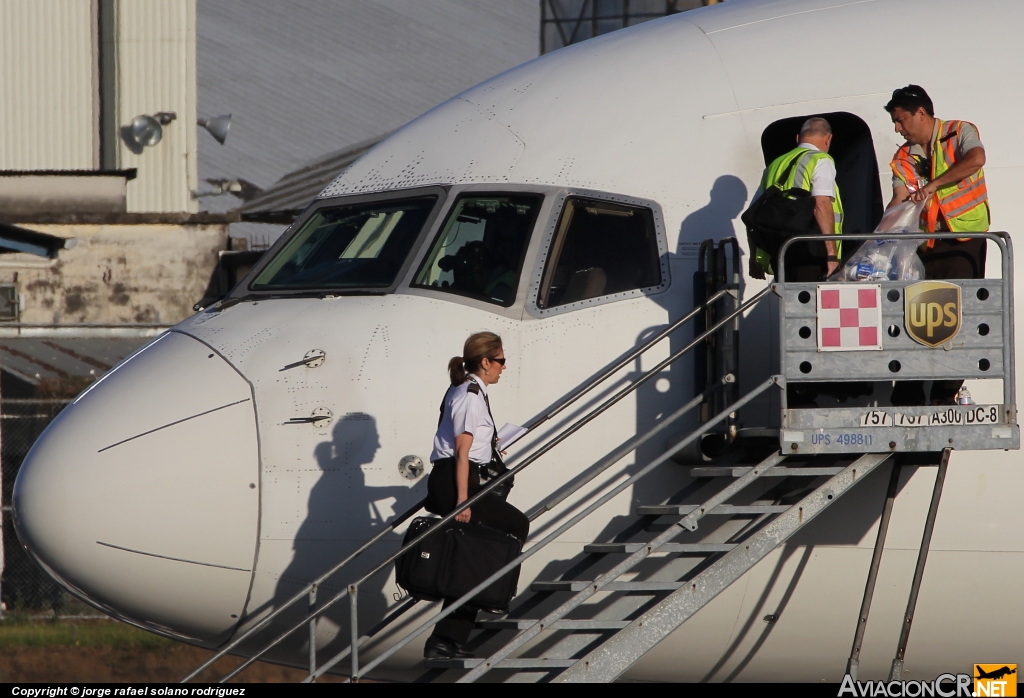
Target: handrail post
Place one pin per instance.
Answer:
(312, 628)
(353, 605)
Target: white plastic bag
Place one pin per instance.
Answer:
(889, 258)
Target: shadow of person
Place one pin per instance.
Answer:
(676, 385)
(346, 508)
(715, 220)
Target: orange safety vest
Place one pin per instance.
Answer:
(954, 200)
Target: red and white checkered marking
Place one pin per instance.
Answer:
(849, 317)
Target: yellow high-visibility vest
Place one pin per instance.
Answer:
(799, 178)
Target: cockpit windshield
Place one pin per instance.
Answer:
(479, 252)
(357, 246)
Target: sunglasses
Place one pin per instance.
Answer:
(497, 361)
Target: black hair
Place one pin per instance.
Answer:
(910, 99)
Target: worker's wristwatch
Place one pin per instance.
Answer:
(831, 258)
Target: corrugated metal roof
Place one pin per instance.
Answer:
(293, 192)
(37, 360)
(304, 79)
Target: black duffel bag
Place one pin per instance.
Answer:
(453, 561)
(418, 570)
(778, 215)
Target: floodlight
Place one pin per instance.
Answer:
(147, 130)
(217, 126)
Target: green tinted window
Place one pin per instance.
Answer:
(479, 252)
(357, 246)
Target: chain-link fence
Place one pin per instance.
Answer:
(24, 586)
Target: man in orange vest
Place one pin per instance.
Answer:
(940, 163)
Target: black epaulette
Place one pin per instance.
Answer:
(473, 388)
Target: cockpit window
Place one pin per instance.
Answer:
(479, 252)
(357, 246)
(600, 249)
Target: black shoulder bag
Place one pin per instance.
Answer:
(778, 215)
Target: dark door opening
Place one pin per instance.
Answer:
(856, 166)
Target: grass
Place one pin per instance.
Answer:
(18, 632)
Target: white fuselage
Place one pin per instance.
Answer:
(175, 495)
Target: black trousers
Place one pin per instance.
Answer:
(442, 497)
(805, 262)
(947, 259)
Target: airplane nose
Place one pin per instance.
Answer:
(143, 495)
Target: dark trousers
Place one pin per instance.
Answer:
(947, 259)
(442, 498)
(805, 262)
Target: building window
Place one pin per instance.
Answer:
(600, 249)
(479, 251)
(10, 303)
(565, 22)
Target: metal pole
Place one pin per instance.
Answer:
(353, 605)
(926, 540)
(3, 510)
(312, 628)
(876, 560)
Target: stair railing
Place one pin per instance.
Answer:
(309, 593)
(539, 545)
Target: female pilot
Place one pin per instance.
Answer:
(462, 445)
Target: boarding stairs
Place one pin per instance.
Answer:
(748, 490)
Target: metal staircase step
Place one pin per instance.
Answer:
(608, 660)
(517, 663)
(521, 623)
(778, 471)
(698, 548)
(720, 510)
(613, 586)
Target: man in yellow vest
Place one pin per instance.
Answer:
(940, 163)
(808, 167)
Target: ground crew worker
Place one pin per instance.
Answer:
(814, 171)
(940, 163)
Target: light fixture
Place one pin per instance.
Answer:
(145, 131)
(217, 126)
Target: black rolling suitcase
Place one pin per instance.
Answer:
(450, 563)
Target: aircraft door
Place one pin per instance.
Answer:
(856, 166)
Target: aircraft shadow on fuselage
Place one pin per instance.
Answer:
(343, 512)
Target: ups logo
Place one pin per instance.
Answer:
(932, 312)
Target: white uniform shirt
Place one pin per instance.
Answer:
(465, 412)
(823, 179)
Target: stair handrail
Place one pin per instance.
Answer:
(537, 546)
(309, 591)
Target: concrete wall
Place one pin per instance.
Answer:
(116, 274)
